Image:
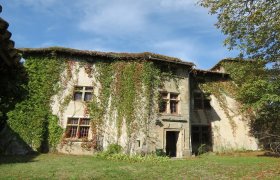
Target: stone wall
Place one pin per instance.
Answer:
(147, 136)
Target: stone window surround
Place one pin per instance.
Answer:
(79, 126)
(169, 102)
(85, 93)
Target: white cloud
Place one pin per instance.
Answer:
(180, 48)
(119, 17)
(113, 18)
(178, 28)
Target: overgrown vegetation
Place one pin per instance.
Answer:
(114, 152)
(253, 28)
(257, 90)
(13, 80)
(32, 118)
(124, 86)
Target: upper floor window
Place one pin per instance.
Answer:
(169, 103)
(174, 103)
(77, 128)
(83, 93)
(200, 101)
(163, 102)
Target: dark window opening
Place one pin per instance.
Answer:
(174, 107)
(201, 101)
(163, 106)
(78, 96)
(88, 96)
(201, 136)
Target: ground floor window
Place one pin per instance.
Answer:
(201, 138)
(77, 128)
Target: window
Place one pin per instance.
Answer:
(77, 128)
(174, 103)
(201, 134)
(201, 101)
(169, 103)
(163, 102)
(83, 93)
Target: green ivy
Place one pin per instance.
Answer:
(125, 83)
(31, 117)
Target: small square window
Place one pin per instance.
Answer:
(83, 93)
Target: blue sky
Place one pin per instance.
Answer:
(177, 28)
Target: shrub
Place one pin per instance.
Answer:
(114, 149)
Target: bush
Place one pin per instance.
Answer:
(160, 152)
(114, 153)
(202, 149)
(114, 149)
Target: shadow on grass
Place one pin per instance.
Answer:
(11, 159)
(270, 154)
(13, 149)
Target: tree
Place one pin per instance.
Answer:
(252, 26)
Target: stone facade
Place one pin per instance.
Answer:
(178, 128)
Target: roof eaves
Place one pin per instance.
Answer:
(209, 73)
(122, 56)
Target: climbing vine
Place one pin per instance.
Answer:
(242, 74)
(123, 85)
(125, 90)
(32, 118)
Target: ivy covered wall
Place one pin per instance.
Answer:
(123, 87)
(32, 118)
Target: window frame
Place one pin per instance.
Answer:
(78, 127)
(169, 101)
(204, 103)
(83, 90)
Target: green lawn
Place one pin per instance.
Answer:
(55, 166)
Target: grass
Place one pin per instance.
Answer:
(57, 166)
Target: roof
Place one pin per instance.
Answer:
(7, 51)
(200, 72)
(231, 60)
(62, 51)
